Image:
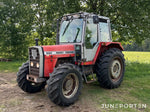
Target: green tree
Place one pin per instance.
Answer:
(47, 12)
(21, 21)
(130, 18)
(15, 24)
(146, 45)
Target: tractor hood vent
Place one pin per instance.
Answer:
(58, 52)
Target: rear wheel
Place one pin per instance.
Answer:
(26, 85)
(64, 85)
(110, 68)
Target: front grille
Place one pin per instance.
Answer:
(34, 58)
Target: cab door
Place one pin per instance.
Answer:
(90, 40)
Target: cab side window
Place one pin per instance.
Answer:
(91, 34)
(104, 32)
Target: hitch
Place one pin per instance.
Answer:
(35, 79)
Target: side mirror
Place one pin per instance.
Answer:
(95, 19)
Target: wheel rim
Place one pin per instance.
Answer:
(116, 69)
(70, 85)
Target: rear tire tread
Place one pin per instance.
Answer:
(102, 68)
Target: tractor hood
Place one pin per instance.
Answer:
(54, 52)
(58, 49)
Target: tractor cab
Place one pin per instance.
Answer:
(85, 31)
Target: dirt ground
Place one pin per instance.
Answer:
(13, 99)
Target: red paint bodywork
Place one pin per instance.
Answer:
(68, 47)
(51, 60)
(101, 48)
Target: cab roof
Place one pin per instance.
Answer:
(83, 15)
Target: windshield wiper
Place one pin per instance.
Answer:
(77, 34)
(67, 27)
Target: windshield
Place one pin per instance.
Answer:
(71, 31)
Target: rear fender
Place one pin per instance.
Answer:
(113, 45)
(103, 46)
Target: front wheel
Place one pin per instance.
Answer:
(26, 85)
(110, 68)
(64, 85)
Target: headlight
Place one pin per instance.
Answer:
(31, 63)
(37, 65)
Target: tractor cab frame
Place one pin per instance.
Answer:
(86, 31)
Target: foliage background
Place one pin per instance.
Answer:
(23, 20)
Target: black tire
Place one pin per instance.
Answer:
(110, 67)
(57, 83)
(26, 85)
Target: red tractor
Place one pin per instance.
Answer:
(84, 47)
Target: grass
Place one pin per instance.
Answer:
(139, 57)
(2, 108)
(11, 66)
(135, 88)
